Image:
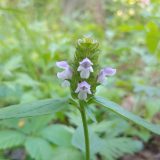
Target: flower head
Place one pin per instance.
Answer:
(66, 74)
(83, 89)
(105, 72)
(85, 67)
(83, 76)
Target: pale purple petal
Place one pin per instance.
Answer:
(101, 77)
(82, 95)
(85, 68)
(90, 69)
(85, 74)
(108, 71)
(77, 90)
(86, 63)
(84, 85)
(67, 73)
(83, 89)
(65, 83)
(62, 64)
(80, 68)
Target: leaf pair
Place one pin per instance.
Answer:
(51, 106)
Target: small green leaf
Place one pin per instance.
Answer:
(41, 107)
(126, 114)
(152, 36)
(62, 153)
(78, 140)
(39, 149)
(58, 134)
(114, 148)
(90, 114)
(10, 139)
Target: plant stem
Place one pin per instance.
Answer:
(85, 128)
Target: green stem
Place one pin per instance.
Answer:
(85, 128)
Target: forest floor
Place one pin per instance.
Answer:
(151, 151)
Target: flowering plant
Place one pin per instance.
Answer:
(83, 75)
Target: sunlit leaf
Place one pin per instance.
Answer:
(152, 36)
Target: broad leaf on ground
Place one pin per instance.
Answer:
(62, 153)
(113, 148)
(39, 149)
(58, 134)
(10, 139)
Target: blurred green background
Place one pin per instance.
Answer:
(34, 34)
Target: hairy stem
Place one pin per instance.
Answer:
(85, 128)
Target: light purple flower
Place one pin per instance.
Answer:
(105, 72)
(85, 68)
(66, 74)
(83, 89)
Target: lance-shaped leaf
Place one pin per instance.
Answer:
(37, 108)
(127, 115)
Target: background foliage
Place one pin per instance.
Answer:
(34, 34)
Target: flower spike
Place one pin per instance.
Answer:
(83, 76)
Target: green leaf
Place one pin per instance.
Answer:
(28, 125)
(114, 148)
(126, 114)
(39, 149)
(111, 128)
(10, 139)
(58, 134)
(90, 114)
(78, 140)
(152, 36)
(41, 107)
(67, 154)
